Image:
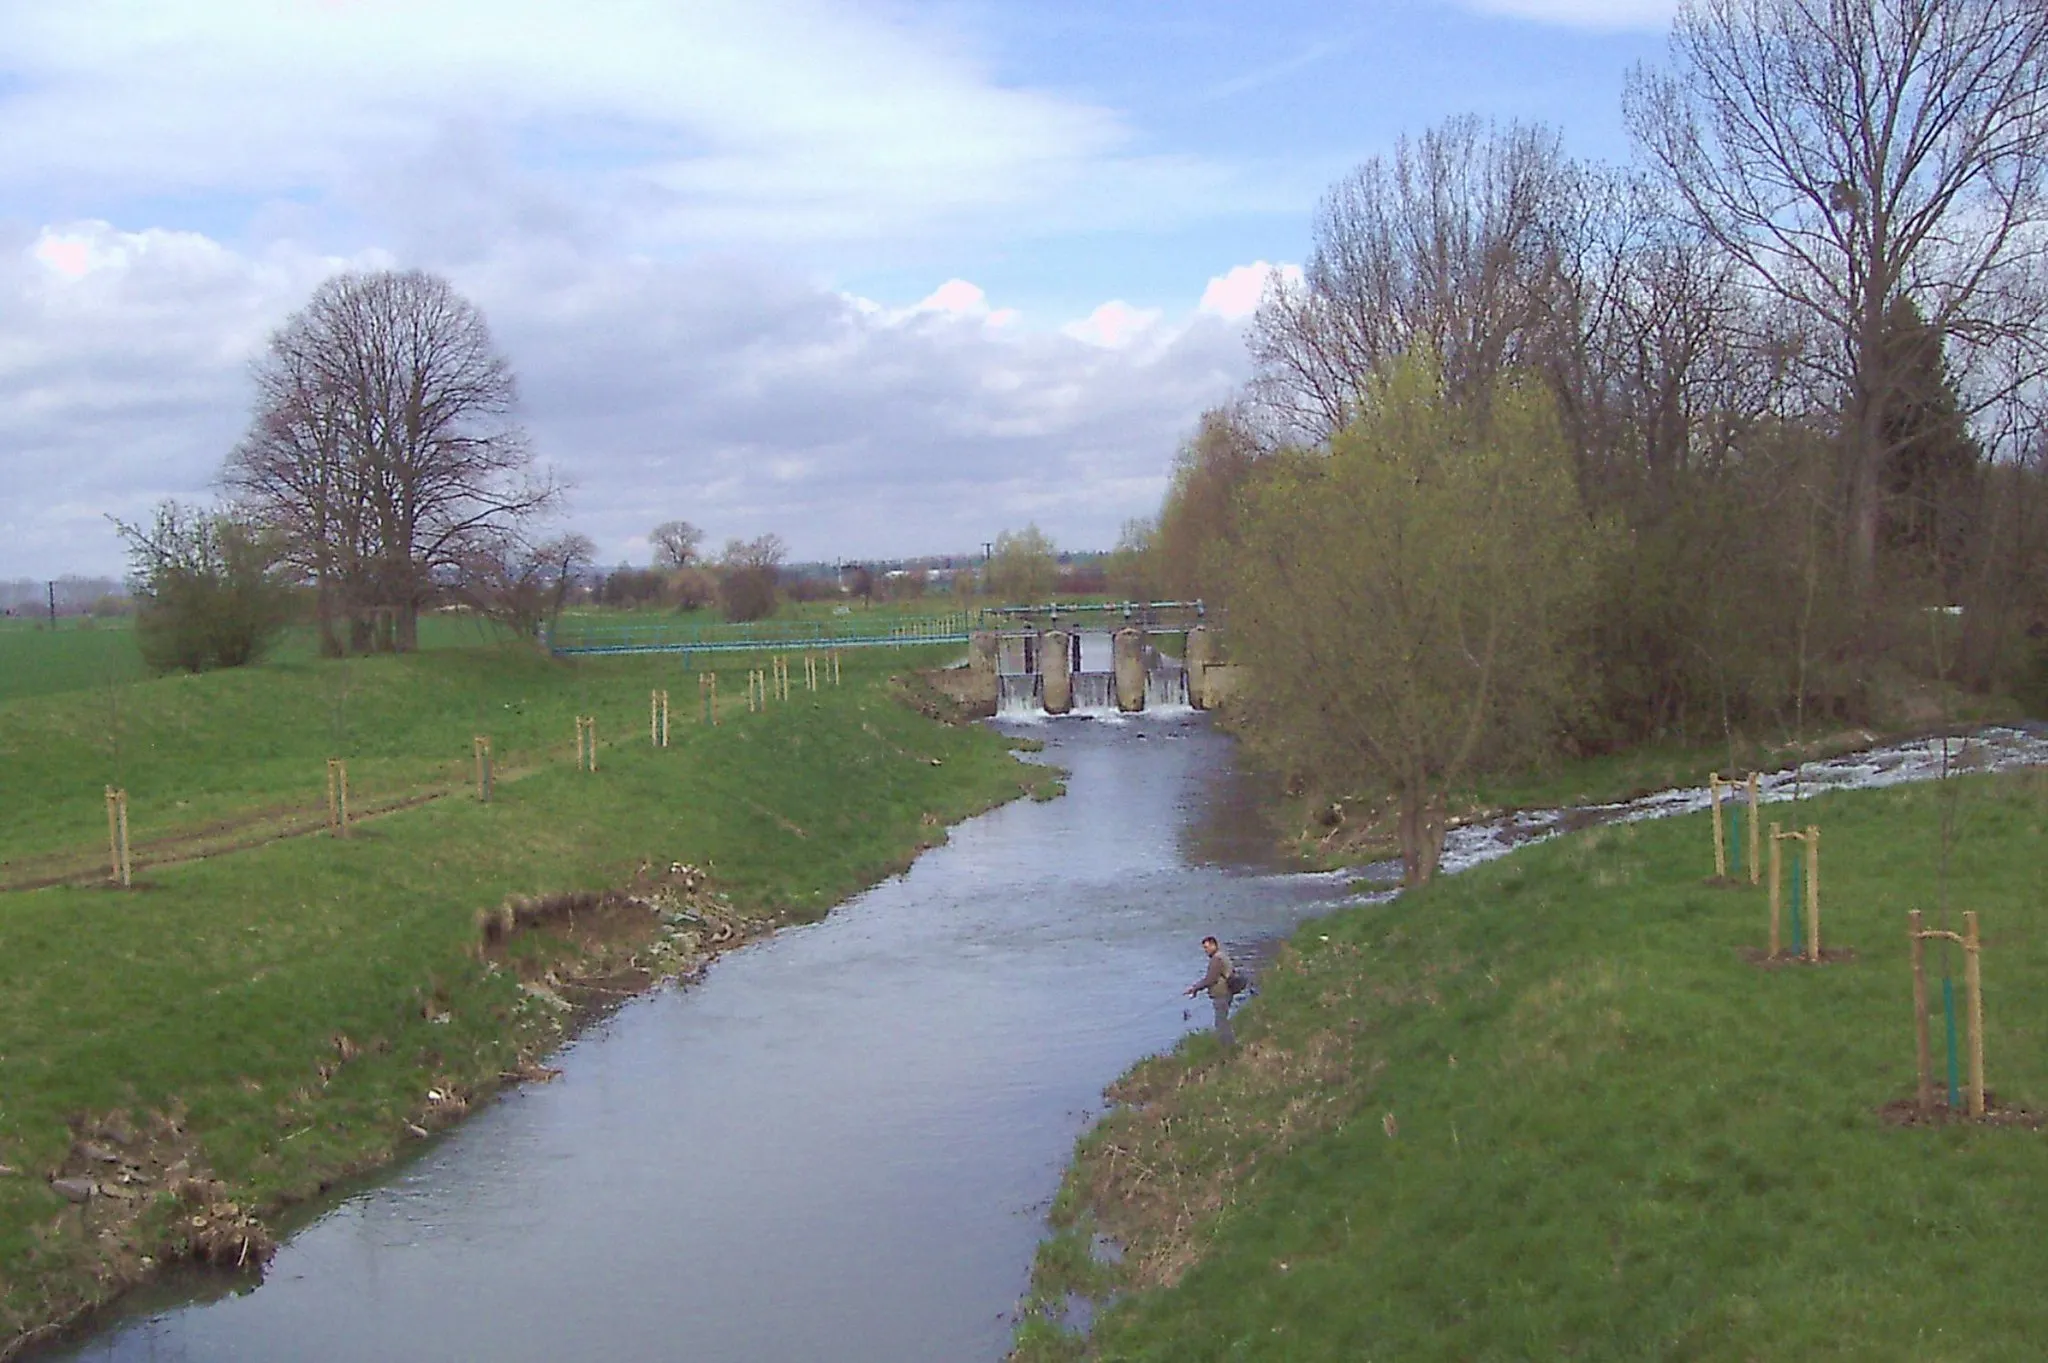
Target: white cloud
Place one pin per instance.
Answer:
(1599, 14)
(1235, 294)
(726, 390)
(719, 121)
(1113, 325)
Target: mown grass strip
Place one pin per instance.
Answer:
(1548, 1108)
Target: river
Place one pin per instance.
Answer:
(840, 1145)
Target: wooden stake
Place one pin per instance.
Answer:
(1812, 893)
(1720, 851)
(1923, 1091)
(1973, 989)
(1777, 885)
(657, 718)
(586, 742)
(835, 667)
(482, 747)
(121, 869)
(113, 838)
(337, 797)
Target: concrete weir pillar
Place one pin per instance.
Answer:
(1199, 654)
(1055, 660)
(1127, 656)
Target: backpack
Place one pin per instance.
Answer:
(1236, 982)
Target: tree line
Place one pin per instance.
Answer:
(1751, 431)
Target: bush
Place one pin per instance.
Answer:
(748, 593)
(206, 588)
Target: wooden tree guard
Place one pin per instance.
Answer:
(337, 797)
(707, 695)
(1973, 1004)
(586, 742)
(122, 869)
(657, 718)
(1749, 785)
(481, 746)
(1810, 842)
(810, 671)
(835, 667)
(781, 677)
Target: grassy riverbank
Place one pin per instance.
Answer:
(245, 1026)
(1549, 1108)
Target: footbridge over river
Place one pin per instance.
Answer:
(1114, 657)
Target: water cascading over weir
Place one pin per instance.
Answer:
(1100, 660)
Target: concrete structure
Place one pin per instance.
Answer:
(1055, 659)
(1127, 657)
(1199, 656)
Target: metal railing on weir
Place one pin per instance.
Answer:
(596, 635)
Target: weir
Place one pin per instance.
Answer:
(1100, 660)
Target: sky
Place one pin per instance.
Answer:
(884, 279)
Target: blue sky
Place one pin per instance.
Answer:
(882, 278)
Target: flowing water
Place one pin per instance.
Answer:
(840, 1146)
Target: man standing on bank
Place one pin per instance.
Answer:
(1217, 981)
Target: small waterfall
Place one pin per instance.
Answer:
(1017, 693)
(1094, 691)
(1166, 685)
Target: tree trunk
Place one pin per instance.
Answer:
(1422, 834)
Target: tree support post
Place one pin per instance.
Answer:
(337, 797)
(481, 746)
(121, 868)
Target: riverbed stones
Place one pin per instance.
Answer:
(73, 1189)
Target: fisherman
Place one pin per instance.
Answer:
(1217, 981)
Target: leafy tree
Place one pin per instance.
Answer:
(207, 589)
(1931, 461)
(1198, 522)
(1408, 598)
(1024, 567)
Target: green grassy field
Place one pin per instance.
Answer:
(218, 986)
(37, 661)
(1547, 1108)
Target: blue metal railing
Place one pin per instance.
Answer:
(587, 635)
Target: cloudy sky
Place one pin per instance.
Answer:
(884, 278)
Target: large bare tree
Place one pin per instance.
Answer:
(1447, 245)
(385, 447)
(1855, 153)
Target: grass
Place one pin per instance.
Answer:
(38, 661)
(217, 989)
(1547, 1109)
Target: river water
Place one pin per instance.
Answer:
(839, 1146)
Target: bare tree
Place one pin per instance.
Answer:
(384, 446)
(523, 586)
(1446, 245)
(1852, 153)
(675, 544)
